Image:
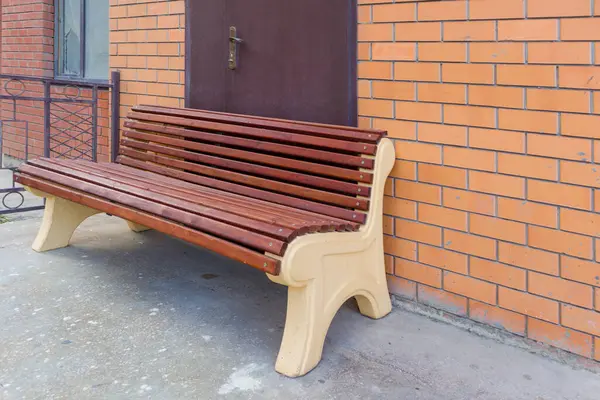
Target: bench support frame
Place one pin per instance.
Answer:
(322, 271)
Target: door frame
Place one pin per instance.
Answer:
(352, 51)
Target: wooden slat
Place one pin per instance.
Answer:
(304, 217)
(320, 208)
(247, 131)
(172, 199)
(280, 187)
(208, 225)
(249, 169)
(334, 131)
(245, 208)
(258, 158)
(220, 246)
(330, 157)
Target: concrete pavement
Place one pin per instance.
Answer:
(120, 315)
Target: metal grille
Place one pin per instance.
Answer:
(54, 118)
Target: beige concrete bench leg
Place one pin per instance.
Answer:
(137, 227)
(61, 218)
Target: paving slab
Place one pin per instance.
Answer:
(119, 315)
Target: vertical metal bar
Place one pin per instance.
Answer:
(115, 118)
(47, 118)
(82, 36)
(95, 123)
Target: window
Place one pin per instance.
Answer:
(82, 39)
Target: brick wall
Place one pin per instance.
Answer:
(491, 210)
(148, 47)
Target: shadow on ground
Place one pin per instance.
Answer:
(120, 315)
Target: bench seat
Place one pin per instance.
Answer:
(302, 202)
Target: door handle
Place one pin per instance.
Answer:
(233, 52)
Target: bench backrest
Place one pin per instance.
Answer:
(320, 168)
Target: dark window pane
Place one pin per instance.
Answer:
(69, 38)
(96, 39)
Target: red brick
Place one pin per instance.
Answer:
(557, 336)
(444, 259)
(441, 216)
(442, 10)
(583, 320)
(445, 176)
(580, 173)
(423, 72)
(427, 112)
(497, 317)
(528, 30)
(503, 185)
(579, 77)
(496, 96)
(419, 32)
(558, 100)
(443, 134)
(469, 31)
(557, 8)
(560, 147)
(442, 93)
(375, 108)
(587, 272)
(559, 52)
(580, 125)
(399, 207)
(393, 51)
(402, 287)
(419, 272)
(394, 90)
(497, 273)
(375, 32)
(375, 70)
(470, 244)
(560, 289)
(509, 231)
(529, 121)
(586, 223)
(561, 242)
(400, 247)
(467, 73)
(469, 201)
(470, 287)
(529, 258)
(503, 52)
(526, 75)
(470, 115)
(416, 151)
(443, 300)
(492, 9)
(447, 52)
(404, 170)
(388, 225)
(534, 167)
(526, 211)
(528, 304)
(580, 29)
(559, 194)
(418, 191)
(470, 158)
(397, 129)
(419, 232)
(494, 139)
(394, 12)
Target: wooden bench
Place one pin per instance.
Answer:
(299, 201)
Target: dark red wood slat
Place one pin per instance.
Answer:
(250, 180)
(220, 246)
(315, 222)
(208, 225)
(247, 208)
(329, 157)
(317, 142)
(322, 130)
(259, 158)
(169, 198)
(320, 208)
(250, 169)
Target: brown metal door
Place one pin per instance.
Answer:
(297, 59)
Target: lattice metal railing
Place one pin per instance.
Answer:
(54, 118)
